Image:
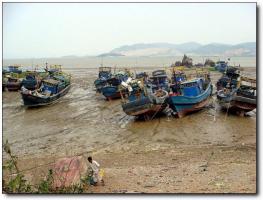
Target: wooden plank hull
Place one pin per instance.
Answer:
(237, 103)
(111, 92)
(183, 104)
(34, 101)
(185, 109)
(146, 109)
(13, 86)
(99, 84)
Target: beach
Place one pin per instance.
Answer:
(205, 152)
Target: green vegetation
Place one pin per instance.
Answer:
(186, 61)
(210, 63)
(16, 182)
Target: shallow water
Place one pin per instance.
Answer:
(82, 121)
(125, 61)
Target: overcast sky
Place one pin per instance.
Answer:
(32, 30)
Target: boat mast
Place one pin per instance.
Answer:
(46, 66)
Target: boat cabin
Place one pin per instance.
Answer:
(50, 86)
(105, 72)
(192, 88)
(135, 92)
(159, 77)
(117, 79)
(159, 80)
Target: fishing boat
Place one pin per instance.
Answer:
(159, 80)
(221, 66)
(139, 100)
(240, 99)
(104, 75)
(193, 95)
(51, 89)
(15, 69)
(229, 77)
(13, 84)
(111, 90)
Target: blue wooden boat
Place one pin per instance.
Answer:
(137, 100)
(111, 90)
(221, 66)
(14, 69)
(104, 75)
(231, 76)
(194, 95)
(52, 89)
(13, 84)
(159, 80)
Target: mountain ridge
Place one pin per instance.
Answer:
(189, 48)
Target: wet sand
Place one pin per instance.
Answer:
(204, 152)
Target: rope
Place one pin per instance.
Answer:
(227, 110)
(156, 112)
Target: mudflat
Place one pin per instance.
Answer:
(205, 152)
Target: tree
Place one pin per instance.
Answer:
(177, 64)
(187, 61)
(209, 62)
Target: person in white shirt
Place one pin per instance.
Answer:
(95, 167)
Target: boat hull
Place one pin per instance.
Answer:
(34, 101)
(183, 104)
(13, 86)
(237, 103)
(142, 107)
(111, 92)
(99, 84)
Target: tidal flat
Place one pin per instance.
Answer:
(205, 152)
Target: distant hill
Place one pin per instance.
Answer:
(110, 54)
(190, 48)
